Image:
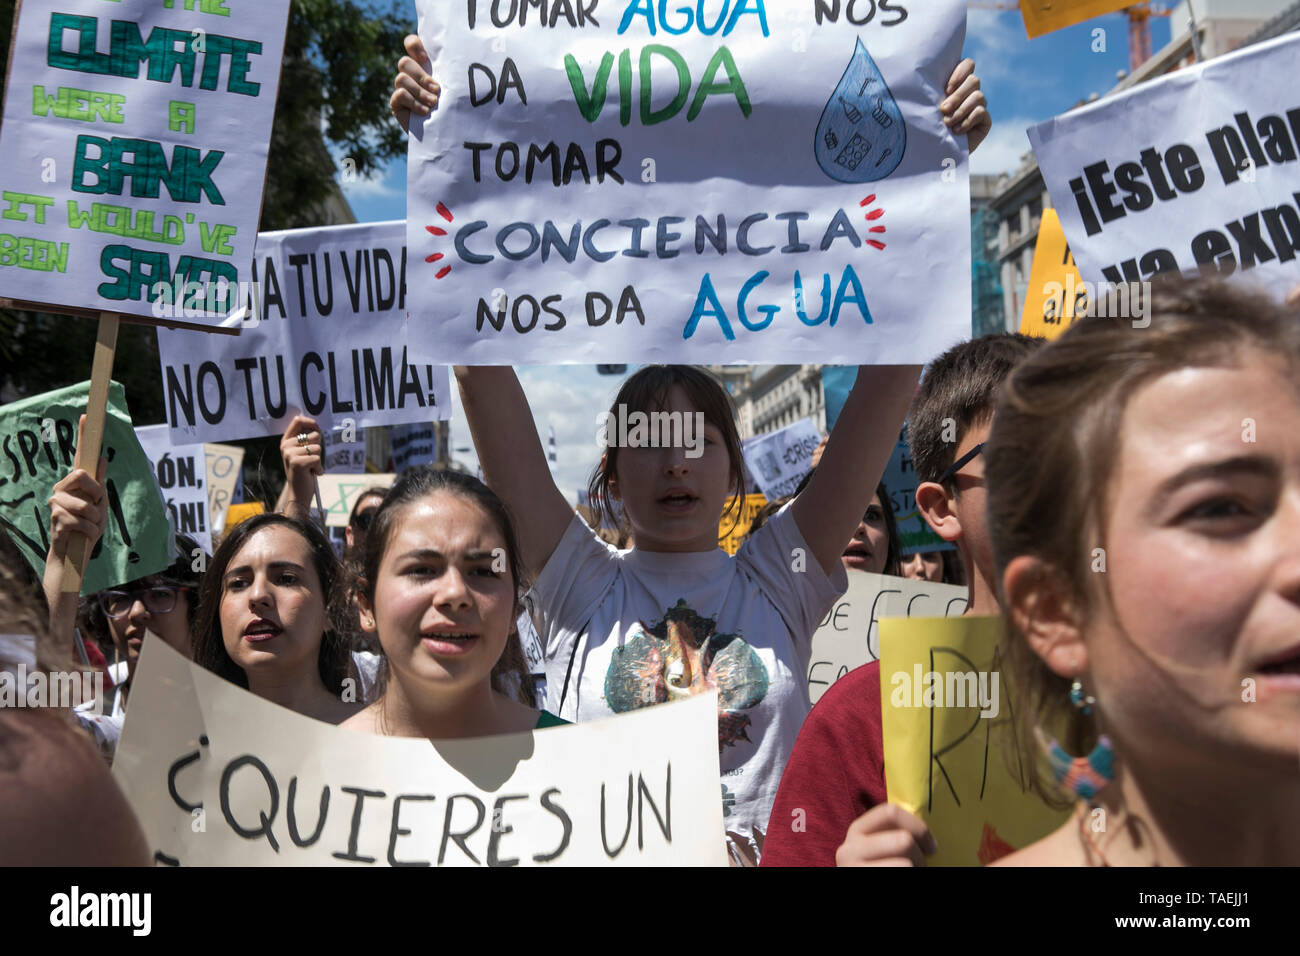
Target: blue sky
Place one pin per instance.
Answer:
(1025, 82)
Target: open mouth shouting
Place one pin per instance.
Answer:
(858, 556)
(260, 629)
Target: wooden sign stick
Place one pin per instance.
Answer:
(74, 563)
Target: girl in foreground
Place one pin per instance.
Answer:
(1144, 501)
(264, 619)
(440, 587)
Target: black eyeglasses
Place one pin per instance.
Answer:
(361, 522)
(160, 599)
(960, 463)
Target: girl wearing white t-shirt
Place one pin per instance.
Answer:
(675, 615)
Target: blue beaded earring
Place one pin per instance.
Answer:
(1082, 776)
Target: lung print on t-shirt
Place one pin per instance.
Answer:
(681, 655)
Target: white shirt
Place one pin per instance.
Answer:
(656, 626)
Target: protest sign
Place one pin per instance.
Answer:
(223, 464)
(181, 472)
(837, 382)
(38, 439)
(779, 460)
(345, 450)
(413, 445)
(121, 176)
(339, 494)
(730, 180)
(914, 533)
(948, 723)
(733, 528)
(1199, 169)
(1044, 16)
(219, 776)
(242, 511)
(326, 335)
(1057, 295)
(848, 636)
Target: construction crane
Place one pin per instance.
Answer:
(1139, 26)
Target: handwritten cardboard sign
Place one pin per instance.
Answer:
(135, 139)
(848, 637)
(181, 472)
(676, 181)
(223, 464)
(218, 776)
(38, 445)
(949, 730)
(339, 494)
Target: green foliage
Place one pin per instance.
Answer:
(339, 60)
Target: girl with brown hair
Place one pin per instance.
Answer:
(1144, 501)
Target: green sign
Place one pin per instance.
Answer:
(38, 444)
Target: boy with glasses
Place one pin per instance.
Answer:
(836, 774)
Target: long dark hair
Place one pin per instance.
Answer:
(894, 552)
(646, 390)
(510, 673)
(334, 662)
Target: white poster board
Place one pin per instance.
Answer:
(339, 493)
(135, 154)
(219, 776)
(849, 637)
(327, 335)
(778, 461)
(223, 467)
(1198, 169)
(181, 472)
(732, 180)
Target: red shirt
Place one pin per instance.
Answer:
(835, 774)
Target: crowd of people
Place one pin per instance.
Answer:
(1126, 499)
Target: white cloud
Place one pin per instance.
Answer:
(993, 40)
(1001, 151)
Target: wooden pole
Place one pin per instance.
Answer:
(74, 563)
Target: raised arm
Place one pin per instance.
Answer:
(856, 454)
(513, 460)
(77, 506)
(302, 449)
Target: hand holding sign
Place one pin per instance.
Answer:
(77, 506)
(886, 835)
(965, 111)
(416, 90)
(300, 449)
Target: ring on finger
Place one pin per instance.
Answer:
(302, 439)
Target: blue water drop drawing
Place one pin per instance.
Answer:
(861, 136)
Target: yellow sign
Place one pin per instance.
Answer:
(949, 729)
(242, 512)
(732, 531)
(1057, 294)
(1044, 16)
